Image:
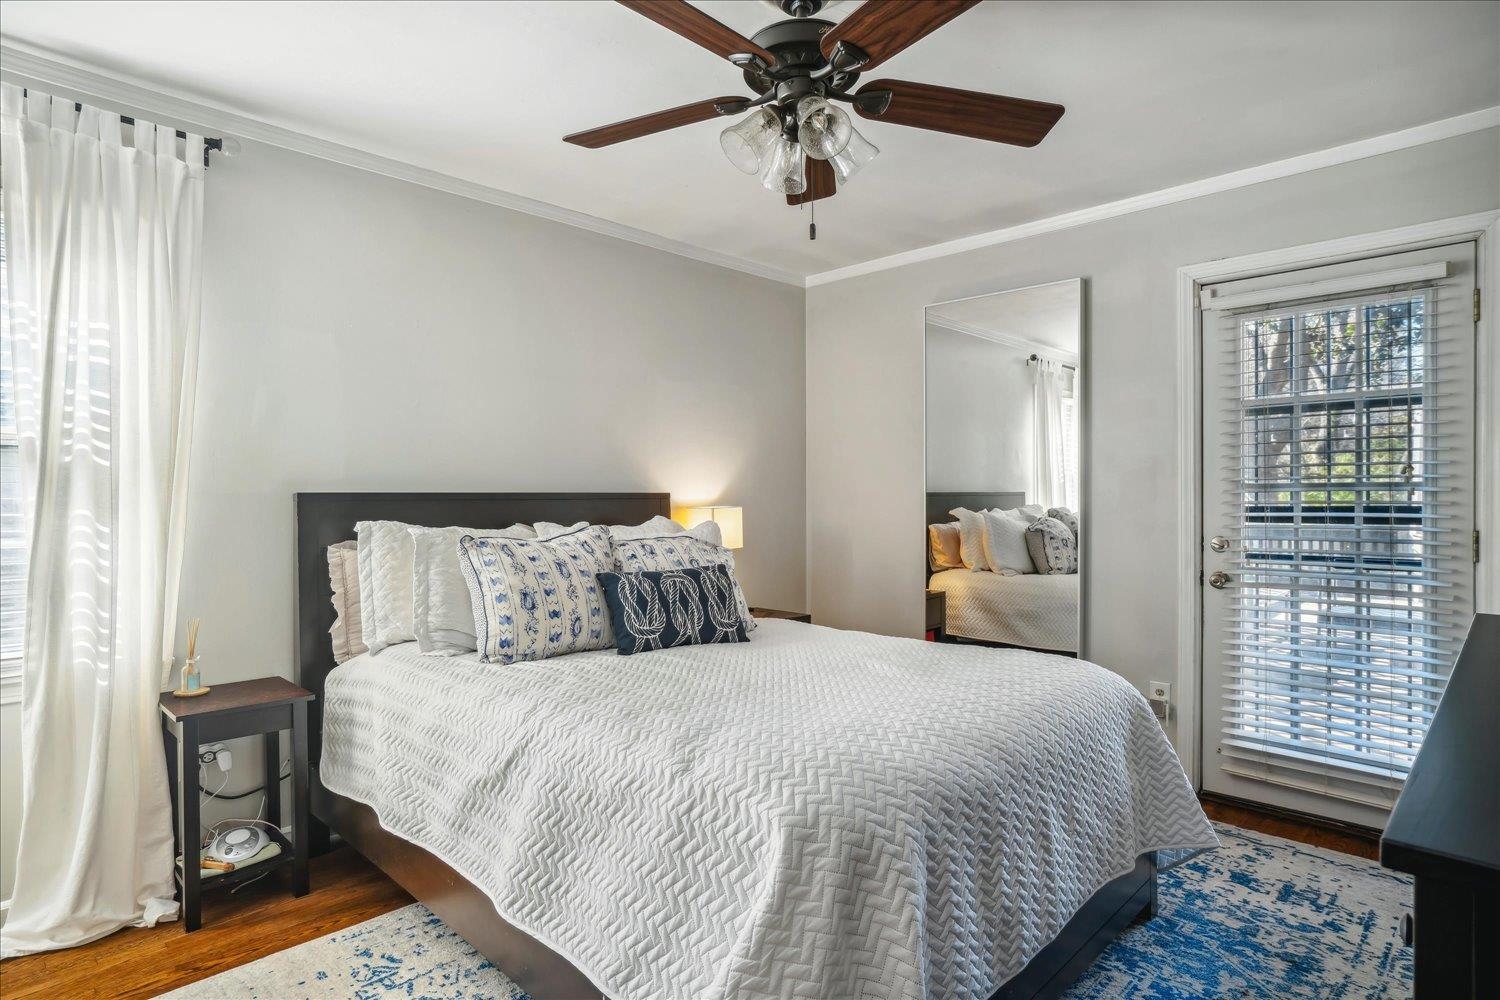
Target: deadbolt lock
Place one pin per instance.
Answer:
(1218, 543)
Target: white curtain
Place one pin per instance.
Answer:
(1049, 436)
(103, 269)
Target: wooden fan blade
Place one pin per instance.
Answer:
(882, 28)
(608, 135)
(963, 112)
(697, 27)
(821, 182)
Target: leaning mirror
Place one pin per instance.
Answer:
(1004, 510)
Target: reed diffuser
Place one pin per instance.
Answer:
(192, 680)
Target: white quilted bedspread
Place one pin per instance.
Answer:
(815, 813)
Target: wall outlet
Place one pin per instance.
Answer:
(1159, 694)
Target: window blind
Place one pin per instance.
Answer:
(13, 540)
(1350, 541)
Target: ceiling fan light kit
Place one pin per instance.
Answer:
(796, 138)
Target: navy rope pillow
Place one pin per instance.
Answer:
(659, 609)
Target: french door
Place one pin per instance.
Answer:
(1338, 514)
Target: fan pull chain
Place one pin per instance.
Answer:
(812, 227)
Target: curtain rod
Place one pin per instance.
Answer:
(1035, 358)
(209, 145)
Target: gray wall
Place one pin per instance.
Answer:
(864, 384)
(978, 413)
(361, 333)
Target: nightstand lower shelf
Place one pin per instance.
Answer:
(228, 880)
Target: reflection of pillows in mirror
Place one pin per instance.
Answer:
(1005, 547)
(679, 607)
(538, 598)
(343, 576)
(943, 547)
(1067, 517)
(442, 615)
(1053, 547)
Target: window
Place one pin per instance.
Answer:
(1340, 493)
(13, 541)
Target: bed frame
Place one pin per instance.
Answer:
(325, 519)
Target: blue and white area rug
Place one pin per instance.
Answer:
(1260, 917)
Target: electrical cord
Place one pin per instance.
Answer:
(252, 790)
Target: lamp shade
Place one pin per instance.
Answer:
(731, 522)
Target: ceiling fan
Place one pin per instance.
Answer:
(797, 138)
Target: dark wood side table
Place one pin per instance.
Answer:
(791, 616)
(230, 711)
(937, 615)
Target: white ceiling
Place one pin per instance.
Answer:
(1158, 94)
(1046, 315)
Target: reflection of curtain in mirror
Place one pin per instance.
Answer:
(1049, 442)
(1070, 438)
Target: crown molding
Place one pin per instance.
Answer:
(23, 64)
(1447, 128)
(1005, 339)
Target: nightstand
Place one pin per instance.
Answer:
(937, 616)
(261, 707)
(791, 616)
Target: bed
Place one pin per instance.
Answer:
(814, 813)
(1030, 611)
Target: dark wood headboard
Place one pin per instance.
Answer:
(325, 519)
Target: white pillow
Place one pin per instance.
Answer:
(653, 528)
(970, 538)
(343, 577)
(1032, 511)
(700, 545)
(1005, 548)
(442, 615)
(387, 604)
(538, 598)
(550, 529)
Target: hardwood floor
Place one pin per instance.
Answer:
(263, 918)
(1360, 843)
(260, 919)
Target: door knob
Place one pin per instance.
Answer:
(1218, 543)
(1217, 579)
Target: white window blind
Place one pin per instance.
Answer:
(13, 540)
(1350, 532)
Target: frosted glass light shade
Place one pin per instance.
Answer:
(731, 522)
(853, 156)
(822, 129)
(746, 144)
(784, 171)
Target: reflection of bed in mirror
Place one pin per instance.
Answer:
(1033, 610)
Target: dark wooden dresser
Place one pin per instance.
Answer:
(1445, 830)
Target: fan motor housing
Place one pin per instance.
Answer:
(795, 44)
